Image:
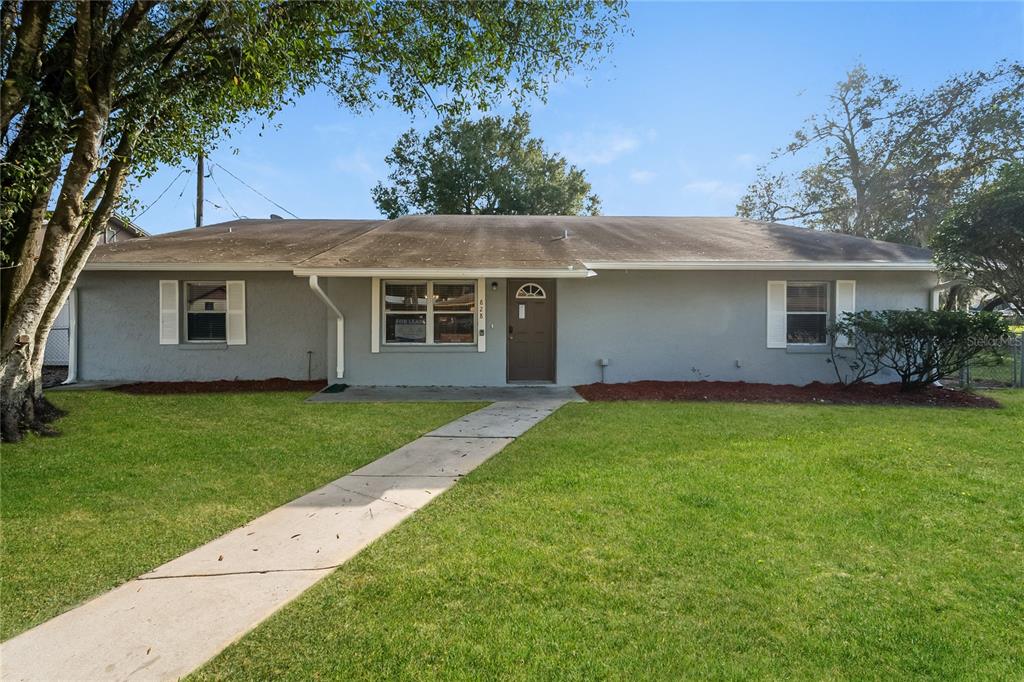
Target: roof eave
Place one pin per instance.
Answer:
(432, 273)
(198, 267)
(436, 273)
(913, 266)
(589, 268)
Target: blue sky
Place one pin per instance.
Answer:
(673, 123)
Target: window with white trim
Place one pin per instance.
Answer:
(429, 312)
(806, 313)
(206, 311)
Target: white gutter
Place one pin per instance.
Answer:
(72, 304)
(431, 273)
(925, 266)
(315, 286)
(191, 267)
(446, 273)
(557, 273)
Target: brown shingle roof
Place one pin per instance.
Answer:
(500, 242)
(281, 243)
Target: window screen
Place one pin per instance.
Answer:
(453, 307)
(206, 308)
(806, 312)
(403, 323)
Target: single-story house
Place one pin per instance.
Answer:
(484, 300)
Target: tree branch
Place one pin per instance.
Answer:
(23, 68)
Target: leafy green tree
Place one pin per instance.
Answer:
(982, 238)
(96, 92)
(888, 163)
(488, 166)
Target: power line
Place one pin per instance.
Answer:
(254, 189)
(177, 201)
(222, 195)
(159, 196)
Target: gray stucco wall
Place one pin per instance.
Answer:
(118, 330)
(649, 325)
(696, 325)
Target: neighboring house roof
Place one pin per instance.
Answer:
(121, 223)
(564, 245)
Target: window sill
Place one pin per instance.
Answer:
(812, 349)
(198, 345)
(410, 348)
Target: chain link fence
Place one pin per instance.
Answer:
(1001, 367)
(58, 347)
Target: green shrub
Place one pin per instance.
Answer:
(919, 346)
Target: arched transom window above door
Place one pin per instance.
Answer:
(531, 291)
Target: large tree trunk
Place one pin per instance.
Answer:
(24, 406)
(20, 370)
(18, 389)
(65, 249)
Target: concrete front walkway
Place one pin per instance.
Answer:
(171, 620)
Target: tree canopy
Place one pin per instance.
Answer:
(95, 92)
(488, 166)
(887, 163)
(982, 238)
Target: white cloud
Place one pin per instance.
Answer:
(746, 161)
(714, 189)
(641, 177)
(355, 163)
(599, 146)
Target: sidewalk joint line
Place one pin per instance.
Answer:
(374, 497)
(398, 476)
(227, 573)
(438, 435)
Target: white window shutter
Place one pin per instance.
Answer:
(375, 315)
(776, 313)
(846, 302)
(169, 313)
(236, 312)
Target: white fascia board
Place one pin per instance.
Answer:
(920, 266)
(191, 267)
(446, 273)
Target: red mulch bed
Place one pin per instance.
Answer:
(742, 392)
(223, 386)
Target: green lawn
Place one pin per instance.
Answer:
(668, 541)
(137, 480)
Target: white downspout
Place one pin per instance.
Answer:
(314, 284)
(72, 337)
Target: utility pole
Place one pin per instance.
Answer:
(199, 190)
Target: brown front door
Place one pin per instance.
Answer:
(531, 330)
